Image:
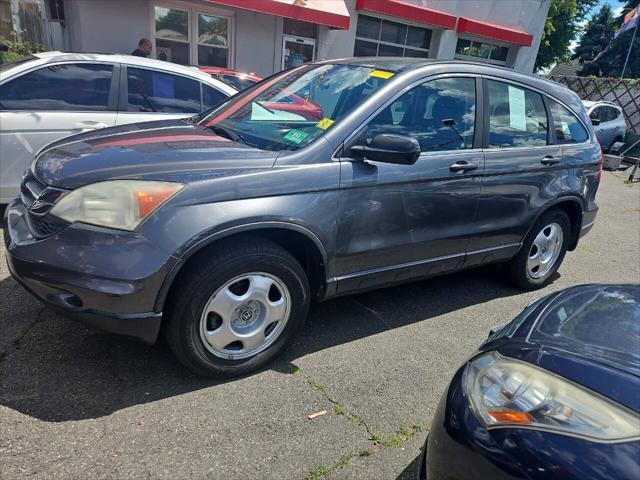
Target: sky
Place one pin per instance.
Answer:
(615, 5)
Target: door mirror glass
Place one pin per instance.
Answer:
(389, 148)
(595, 121)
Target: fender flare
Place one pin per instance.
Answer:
(575, 235)
(184, 253)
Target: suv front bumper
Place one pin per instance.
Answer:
(106, 278)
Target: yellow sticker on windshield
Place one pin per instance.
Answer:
(325, 123)
(381, 74)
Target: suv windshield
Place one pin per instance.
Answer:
(291, 110)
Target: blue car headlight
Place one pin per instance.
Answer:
(508, 393)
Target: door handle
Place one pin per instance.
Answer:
(549, 160)
(89, 125)
(463, 166)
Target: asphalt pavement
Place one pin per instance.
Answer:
(79, 403)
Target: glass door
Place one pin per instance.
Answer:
(296, 51)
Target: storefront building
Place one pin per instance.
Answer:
(265, 36)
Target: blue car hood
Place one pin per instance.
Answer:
(590, 335)
(174, 150)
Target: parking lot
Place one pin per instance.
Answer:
(79, 403)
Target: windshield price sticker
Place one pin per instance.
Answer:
(381, 74)
(325, 123)
(296, 136)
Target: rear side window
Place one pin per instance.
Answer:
(597, 114)
(517, 117)
(153, 91)
(71, 87)
(612, 113)
(439, 114)
(604, 113)
(211, 96)
(567, 127)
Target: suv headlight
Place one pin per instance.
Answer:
(504, 393)
(122, 204)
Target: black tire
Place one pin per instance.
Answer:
(517, 267)
(615, 140)
(194, 288)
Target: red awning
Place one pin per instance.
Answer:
(332, 13)
(495, 32)
(396, 8)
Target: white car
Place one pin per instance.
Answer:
(608, 122)
(48, 96)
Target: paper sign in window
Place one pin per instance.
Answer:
(163, 86)
(517, 109)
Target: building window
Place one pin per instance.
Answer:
(56, 10)
(379, 37)
(298, 28)
(213, 40)
(172, 35)
(189, 37)
(480, 51)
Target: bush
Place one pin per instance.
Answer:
(18, 50)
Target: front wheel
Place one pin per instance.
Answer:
(542, 251)
(238, 308)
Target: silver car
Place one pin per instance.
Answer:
(47, 96)
(608, 121)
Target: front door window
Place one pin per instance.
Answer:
(296, 51)
(439, 114)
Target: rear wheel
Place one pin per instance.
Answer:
(616, 140)
(235, 310)
(542, 251)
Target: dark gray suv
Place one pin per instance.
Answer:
(326, 179)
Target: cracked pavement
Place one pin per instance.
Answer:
(79, 403)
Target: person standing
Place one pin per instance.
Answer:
(144, 48)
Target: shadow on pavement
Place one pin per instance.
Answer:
(411, 471)
(57, 370)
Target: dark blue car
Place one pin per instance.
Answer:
(553, 394)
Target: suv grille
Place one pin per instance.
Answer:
(46, 225)
(38, 198)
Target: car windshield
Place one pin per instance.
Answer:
(291, 110)
(605, 317)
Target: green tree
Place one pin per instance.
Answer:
(618, 52)
(561, 27)
(597, 35)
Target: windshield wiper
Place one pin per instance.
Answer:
(228, 133)
(272, 112)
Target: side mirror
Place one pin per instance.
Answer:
(595, 122)
(389, 148)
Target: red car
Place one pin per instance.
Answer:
(238, 80)
(241, 81)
